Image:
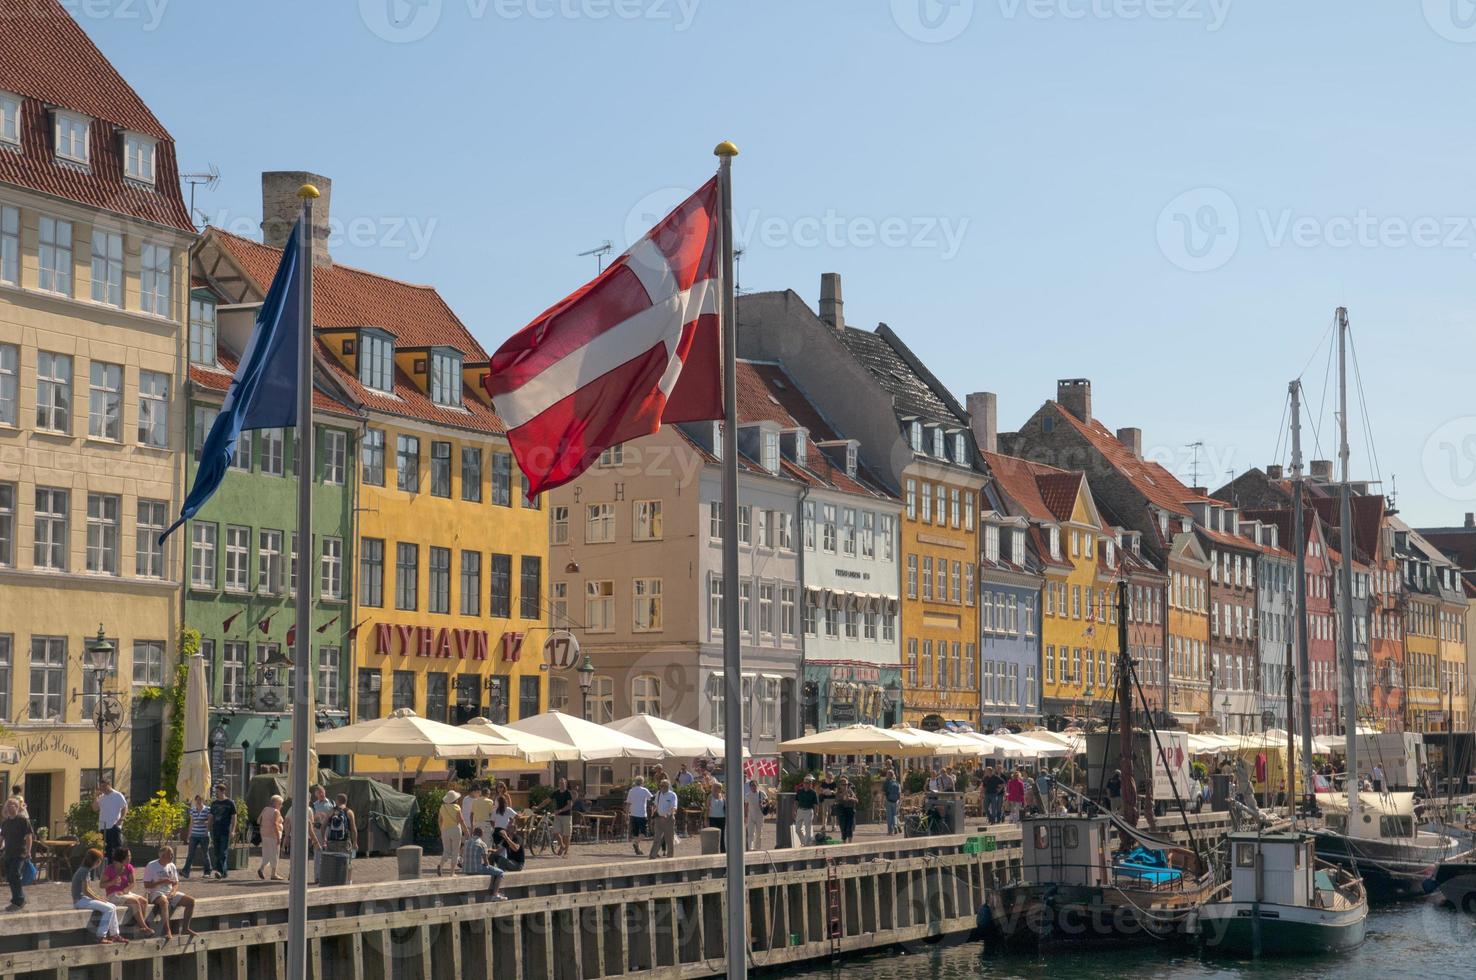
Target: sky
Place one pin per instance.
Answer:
(1169, 197)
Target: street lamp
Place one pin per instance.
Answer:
(98, 658)
(586, 678)
(1225, 706)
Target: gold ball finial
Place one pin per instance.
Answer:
(726, 149)
(308, 192)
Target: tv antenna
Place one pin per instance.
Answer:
(1197, 445)
(599, 252)
(208, 179)
(738, 270)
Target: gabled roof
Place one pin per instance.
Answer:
(1368, 519)
(1458, 543)
(1026, 487)
(1059, 491)
(1156, 484)
(219, 380)
(914, 389)
(47, 59)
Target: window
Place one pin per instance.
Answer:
(440, 469)
(407, 463)
(927, 578)
(939, 438)
(269, 562)
(953, 499)
(645, 695)
(927, 503)
(646, 518)
(445, 377)
(911, 662)
(715, 611)
(600, 703)
(786, 530)
(335, 456)
(331, 573)
(10, 246)
(156, 280)
(402, 690)
(558, 694)
(745, 604)
(70, 136)
(471, 583)
(371, 458)
(766, 609)
(529, 502)
(768, 707)
(53, 391)
(10, 108)
(368, 693)
(599, 606)
(407, 575)
(915, 436)
(202, 330)
(912, 576)
(532, 587)
(715, 520)
(54, 255)
(848, 532)
(646, 600)
(968, 583)
(745, 524)
(376, 361)
(273, 452)
(527, 696)
(237, 558)
(957, 580)
(148, 663)
(438, 597)
(153, 409)
(371, 572)
(105, 401)
(827, 528)
(202, 555)
(599, 523)
(102, 533)
(471, 473)
(233, 674)
(558, 525)
(329, 692)
(787, 596)
(148, 553)
(9, 384)
(613, 456)
(558, 609)
(500, 599)
(502, 479)
(107, 267)
(48, 677)
(51, 529)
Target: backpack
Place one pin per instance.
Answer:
(337, 829)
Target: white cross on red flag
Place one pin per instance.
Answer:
(635, 347)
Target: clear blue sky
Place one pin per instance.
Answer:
(1060, 181)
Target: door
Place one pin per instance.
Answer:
(38, 799)
(148, 745)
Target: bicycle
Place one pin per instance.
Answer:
(539, 837)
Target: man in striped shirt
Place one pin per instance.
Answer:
(199, 836)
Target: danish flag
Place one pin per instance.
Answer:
(635, 347)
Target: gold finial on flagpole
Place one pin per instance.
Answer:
(309, 192)
(726, 149)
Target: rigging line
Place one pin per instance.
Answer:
(1310, 359)
(1322, 406)
(1363, 407)
(1281, 428)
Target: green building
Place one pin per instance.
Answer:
(243, 554)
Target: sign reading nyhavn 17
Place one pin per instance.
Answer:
(445, 643)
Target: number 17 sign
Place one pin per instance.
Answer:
(561, 650)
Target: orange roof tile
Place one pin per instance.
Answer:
(220, 380)
(1155, 483)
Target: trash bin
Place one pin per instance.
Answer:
(1219, 792)
(409, 861)
(784, 822)
(334, 869)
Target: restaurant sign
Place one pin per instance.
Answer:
(444, 643)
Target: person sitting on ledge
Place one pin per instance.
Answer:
(478, 864)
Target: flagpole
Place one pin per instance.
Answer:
(301, 656)
(737, 893)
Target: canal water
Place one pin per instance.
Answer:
(1417, 940)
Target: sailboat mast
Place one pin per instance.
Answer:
(1345, 512)
(1299, 540)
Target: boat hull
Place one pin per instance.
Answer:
(1391, 871)
(1043, 916)
(1229, 929)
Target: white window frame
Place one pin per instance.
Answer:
(376, 361)
(645, 695)
(107, 267)
(54, 256)
(272, 452)
(148, 553)
(331, 577)
(599, 523)
(202, 555)
(105, 401)
(104, 538)
(71, 136)
(153, 409)
(10, 116)
(558, 525)
(203, 330)
(156, 280)
(599, 606)
(335, 456)
(139, 153)
(445, 376)
(237, 558)
(9, 245)
(646, 524)
(646, 609)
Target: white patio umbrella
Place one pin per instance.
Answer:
(194, 765)
(935, 743)
(679, 741)
(405, 735)
(859, 740)
(593, 742)
(532, 748)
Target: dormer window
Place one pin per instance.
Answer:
(769, 451)
(138, 158)
(851, 453)
(10, 119)
(376, 361)
(1111, 553)
(1017, 546)
(960, 449)
(445, 377)
(202, 329)
(1055, 543)
(915, 436)
(938, 444)
(70, 131)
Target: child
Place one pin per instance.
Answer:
(86, 896)
(117, 882)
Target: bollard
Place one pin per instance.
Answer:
(334, 869)
(409, 859)
(784, 822)
(712, 840)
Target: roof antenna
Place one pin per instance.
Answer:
(738, 270)
(209, 179)
(1197, 445)
(599, 252)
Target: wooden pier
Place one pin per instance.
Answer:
(637, 919)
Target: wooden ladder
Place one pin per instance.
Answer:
(833, 899)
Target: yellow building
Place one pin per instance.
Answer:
(1188, 631)
(449, 607)
(93, 243)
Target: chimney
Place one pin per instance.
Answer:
(1273, 471)
(1322, 471)
(832, 307)
(983, 409)
(280, 207)
(1075, 395)
(1199, 491)
(1470, 519)
(1133, 440)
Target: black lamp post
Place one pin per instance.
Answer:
(98, 658)
(586, 678)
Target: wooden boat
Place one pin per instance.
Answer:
(1282, 901)
(1381, 843)
(1074, 888)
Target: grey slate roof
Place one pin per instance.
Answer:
(914, 389)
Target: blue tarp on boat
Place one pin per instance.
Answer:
(1146, 865)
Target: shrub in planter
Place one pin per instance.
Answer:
(691, 797)
(539, 795)
(915, 781)
(154, 822)
(427, 821)
(81, 819)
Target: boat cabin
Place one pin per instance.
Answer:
(1278, 869)
(1381, 816)
(1066, 850)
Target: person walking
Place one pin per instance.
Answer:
(994, 791)
(269, 823)
(826, 790)
(806, 800)
(1114, 791)
(222, 830)
(449, 820)
(341, 835)
(16, 831)
(161, 892)
(891, 799)
(753, 815)
(717, 816)
(199, 840)
(562, 800)
(111, 807)
(1378, 778)
(86, 896)
(1014, 797)
(637, 804)
(663, 832)
(685, 777)
(845, 809)
(321, 807)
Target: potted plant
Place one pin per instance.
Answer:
(427, 821)
(146, 827)
(239, 858)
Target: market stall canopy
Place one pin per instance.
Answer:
(405, 735)
(532, 748)
(593, 742)
(860, 740)
(678, 740)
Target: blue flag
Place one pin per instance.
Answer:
(263, 394)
